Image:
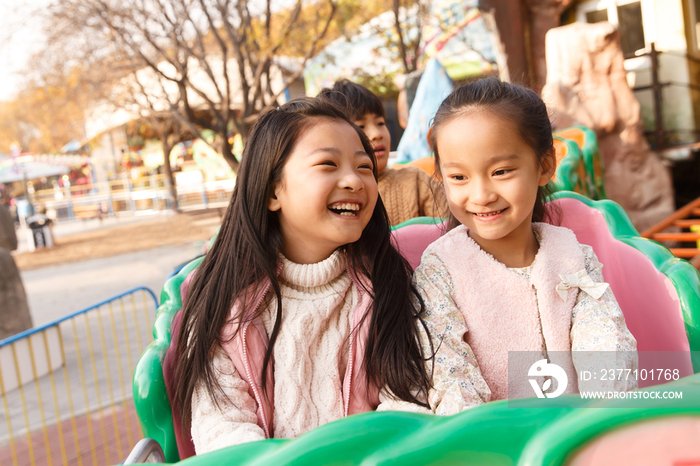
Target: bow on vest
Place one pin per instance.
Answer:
(582, 281)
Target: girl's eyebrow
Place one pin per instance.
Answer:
(336, 151)
(491, 161)
(333, 150)
(504, 158)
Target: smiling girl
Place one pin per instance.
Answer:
(301, 312)
(407, 192)
(495, 282)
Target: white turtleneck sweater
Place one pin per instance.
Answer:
(310, 358)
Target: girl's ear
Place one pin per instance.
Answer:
(273, 204)
(549, 166)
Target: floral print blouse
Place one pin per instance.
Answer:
(597, 325)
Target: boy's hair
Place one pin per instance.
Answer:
(356, 99)
(517, 104)
(246, 251)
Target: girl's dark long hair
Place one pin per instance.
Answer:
(246, 251)
(517, 104)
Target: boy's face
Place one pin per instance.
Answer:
(376, 130)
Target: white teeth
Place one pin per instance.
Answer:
(345, 206)
(490, 214)
(347, 214)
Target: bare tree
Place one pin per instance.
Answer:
(213, 59)
(409, 32)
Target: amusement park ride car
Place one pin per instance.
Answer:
(658, 293)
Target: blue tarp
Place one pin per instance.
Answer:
(433, 87)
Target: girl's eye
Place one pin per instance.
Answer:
(366, 165)
(458, 177)
(330, 163)
(501, 172)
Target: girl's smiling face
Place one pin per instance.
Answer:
(327, 192)
(491, 177)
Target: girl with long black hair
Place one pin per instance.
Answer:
(302, 312)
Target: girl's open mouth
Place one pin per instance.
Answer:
(345, 209)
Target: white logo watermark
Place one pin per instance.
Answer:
(542, 368)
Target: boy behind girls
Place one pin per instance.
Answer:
(407, 192)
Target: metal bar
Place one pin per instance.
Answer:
(91, 352)
(83, 384)
(687, 223)
(13, 451)
(69, 392)
(683, 237)
(126, 337)
(109, 383)
(61, 440)
(685, 252)
(649, 87)
(40, 400)
(132, 203)
(658, 102)
(145, 310)
(146, 451)
(109, 197)
(24, 405)
(136, 323)
(69, 199)
(681, 213)
(121, 376)
(26, 333)
(680, 55)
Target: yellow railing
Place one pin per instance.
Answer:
(66, 386)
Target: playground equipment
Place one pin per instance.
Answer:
(658, 293)
(687, 242)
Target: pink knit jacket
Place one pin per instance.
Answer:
(247, 349)
(502, 313)
(247, 352)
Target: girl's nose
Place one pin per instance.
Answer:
(373, 134)
(482, 193)
(351, 181)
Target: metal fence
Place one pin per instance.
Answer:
(66, 386)
(147, 194)
(662, 137)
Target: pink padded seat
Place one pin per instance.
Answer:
(412, 240)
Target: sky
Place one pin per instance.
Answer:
(20, 36)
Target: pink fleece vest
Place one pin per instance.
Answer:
(502, 311)
(247, 348)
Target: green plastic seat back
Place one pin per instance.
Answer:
(150, 395)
